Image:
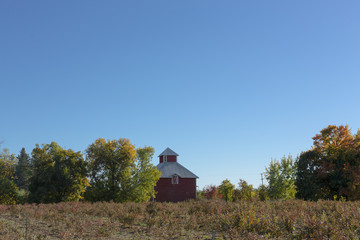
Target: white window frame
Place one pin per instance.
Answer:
(175, 179)
(165, 158)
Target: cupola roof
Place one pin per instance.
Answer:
(168, 152)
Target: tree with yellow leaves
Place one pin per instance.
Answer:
(8, 189)
(119, 172)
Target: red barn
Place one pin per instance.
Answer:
(176, 182)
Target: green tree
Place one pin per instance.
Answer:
(245, 191)
(23, 170)
(308, 185)
(281, 178)
(226, 189)
(58, 175)
(8, 189)
(145, 176)
(263, 193)
(200, 195)
(119, 172)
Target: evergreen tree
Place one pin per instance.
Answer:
(23, 170)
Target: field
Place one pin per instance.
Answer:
(203, 219)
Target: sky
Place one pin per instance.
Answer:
(228, 85)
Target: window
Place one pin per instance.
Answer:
(175, 179)
(165, 158)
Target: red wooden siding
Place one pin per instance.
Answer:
(186, 189)
(168, 158)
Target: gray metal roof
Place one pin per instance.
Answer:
(168, 169)
(168, 152)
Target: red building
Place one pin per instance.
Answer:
(176, 182)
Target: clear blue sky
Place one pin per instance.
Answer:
(228, 85)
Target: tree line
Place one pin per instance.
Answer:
(111, 170)
(114, 170)
(329, 170)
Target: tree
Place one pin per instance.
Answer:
(332, 166)
(263, 193)
(145, 176)
(119, 172)
(281, 178)
(8, 189)
(210, 192)
(245, 191)
(23, 170)
(308, 185)
(59, 175)
(226, 189)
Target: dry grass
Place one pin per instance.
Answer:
(186, 220)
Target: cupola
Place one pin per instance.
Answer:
(168, 155)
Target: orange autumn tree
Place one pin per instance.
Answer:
(331, 169)
(210, 192)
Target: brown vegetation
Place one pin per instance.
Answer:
(292, 219)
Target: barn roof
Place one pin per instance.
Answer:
(168, 169)
(168, 152)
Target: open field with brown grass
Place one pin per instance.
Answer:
(203, 219)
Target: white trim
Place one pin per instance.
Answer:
(175, 179)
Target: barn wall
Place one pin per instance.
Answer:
(169, 159)
(186, 189)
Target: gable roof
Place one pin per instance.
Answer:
(168, 169)
(168, 152)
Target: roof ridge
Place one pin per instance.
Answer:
(168, 152)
